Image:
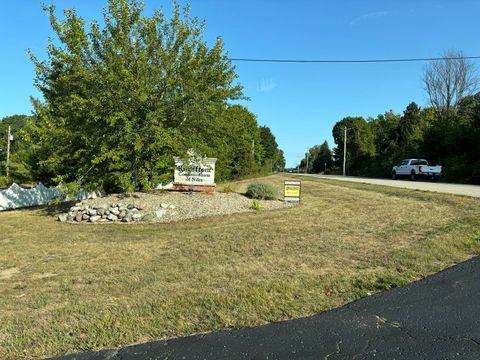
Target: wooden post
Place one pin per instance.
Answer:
(9, 137)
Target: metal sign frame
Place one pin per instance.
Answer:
(292, 190)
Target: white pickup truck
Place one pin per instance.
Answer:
(416, 168)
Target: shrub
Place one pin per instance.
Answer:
(262, 191)
(255, 205)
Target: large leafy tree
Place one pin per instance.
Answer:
(236, 139)
(321, 158)
(360, 144)
(121, 99)
(460, 150)
(273, 158)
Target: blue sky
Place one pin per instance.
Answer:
(299, 102)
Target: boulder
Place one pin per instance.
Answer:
(130, 206)
(92, 212)
(136, 216)
(85, 216)
(140, 206)
(164, 206)
(78, 217)
(148, 217)
(75, 208)
(112, 217)
(122, 214)
(95, 218)
(114, 211)
(62, 217)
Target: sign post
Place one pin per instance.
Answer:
(9, 138)
(292, 190)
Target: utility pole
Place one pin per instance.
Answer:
(306, 168)
(9, 138)
(344, 150)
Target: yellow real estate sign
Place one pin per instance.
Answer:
(291, 190)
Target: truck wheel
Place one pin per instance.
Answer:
(413, 177)
(394, 175)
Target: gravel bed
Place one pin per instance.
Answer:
(184, 206)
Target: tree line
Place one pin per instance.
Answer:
(445, 132)
(122, 99)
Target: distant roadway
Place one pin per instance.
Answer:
(456, 189)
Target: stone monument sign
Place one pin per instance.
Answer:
(194, 171)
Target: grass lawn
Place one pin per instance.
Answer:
(67, 288)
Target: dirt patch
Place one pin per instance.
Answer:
(44, 276)
(8, 273)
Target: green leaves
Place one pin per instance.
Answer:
(121, 100)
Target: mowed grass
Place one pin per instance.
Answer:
(68, 288)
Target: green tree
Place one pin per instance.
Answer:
(460, 154)
(384, 129)
(236, 138)
(121, 100)
(279, 164)
(273, 158)
(321, 159)
(20, 168)
(360, 144)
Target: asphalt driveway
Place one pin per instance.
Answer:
(456, 189)
(434, 318)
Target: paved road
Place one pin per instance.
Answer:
(435, 318)
(457, 189)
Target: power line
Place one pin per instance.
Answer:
(306, 61)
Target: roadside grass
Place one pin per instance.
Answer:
(67, 288)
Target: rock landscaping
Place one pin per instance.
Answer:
(85, 212)
(161, 207)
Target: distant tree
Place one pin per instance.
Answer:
(322, 159)
(447, 81)
(460, 151)
(237, 141)
(121, 99)
(273, 159)
(279, 164)
(384, 129)
(20, 166)
(269, 142)
(360, 144)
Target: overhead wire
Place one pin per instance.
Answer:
(352, 61)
